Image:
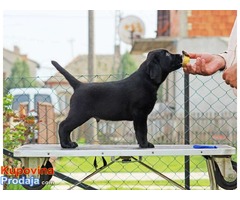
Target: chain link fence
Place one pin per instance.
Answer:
(213, 120)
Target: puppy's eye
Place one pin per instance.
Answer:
(167, 54)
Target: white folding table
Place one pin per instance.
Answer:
(33, 155)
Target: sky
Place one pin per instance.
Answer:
(58, 30)
(63, 35)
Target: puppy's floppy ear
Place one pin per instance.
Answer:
(154, 69)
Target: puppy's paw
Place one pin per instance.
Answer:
(147, 145)
(70, 145)
(150, 145)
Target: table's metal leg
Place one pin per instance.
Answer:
(212, 179)
(92, 174)
(210, 167)
(160, 174)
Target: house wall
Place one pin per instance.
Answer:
(210, 22)
(10, 57)
(196, 22)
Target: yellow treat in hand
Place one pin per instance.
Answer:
(186, 59)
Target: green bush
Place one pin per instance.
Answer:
(16, 131)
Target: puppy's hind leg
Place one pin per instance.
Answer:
(140, 126)
(66, 127)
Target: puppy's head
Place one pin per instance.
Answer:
(160, 63)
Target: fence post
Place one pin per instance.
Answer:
(47, 127)
(186, 129)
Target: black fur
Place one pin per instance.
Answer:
(132, 98)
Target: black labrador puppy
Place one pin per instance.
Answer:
(132, 98)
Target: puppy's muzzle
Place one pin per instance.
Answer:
(178, 59)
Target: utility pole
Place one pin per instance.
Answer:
(91, 53)
(92, 131)
(117, 41)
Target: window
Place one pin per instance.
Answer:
(41, 98)
(22, 98)
(163, 23)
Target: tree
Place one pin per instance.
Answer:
(127, 65)
(20, 76)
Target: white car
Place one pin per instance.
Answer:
(32, 96)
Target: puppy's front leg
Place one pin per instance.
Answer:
(140, 126)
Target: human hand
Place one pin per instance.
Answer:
(206, 64)
(230, 76)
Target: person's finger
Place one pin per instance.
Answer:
(198, 66)
(194, 55)
(198, 62)
(188, 68)
(191, 69)
(203, 69)
(224, 75)
(227, 82)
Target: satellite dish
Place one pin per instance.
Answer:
(130, 28)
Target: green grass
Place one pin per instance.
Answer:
(20, 187)
(118, 185)
(142, 184)
(163, 164)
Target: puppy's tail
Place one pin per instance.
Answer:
(71, 79)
